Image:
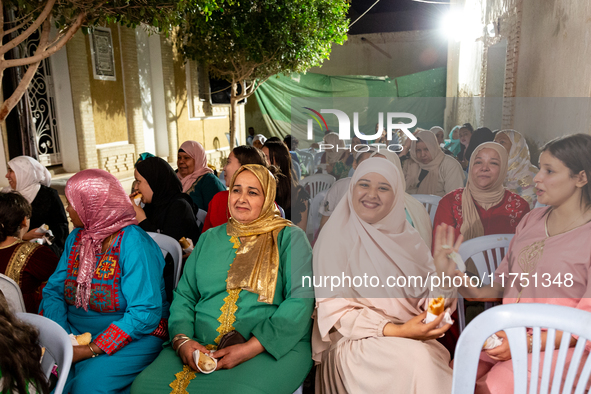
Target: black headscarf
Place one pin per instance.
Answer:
(479, 136)
(168, 190)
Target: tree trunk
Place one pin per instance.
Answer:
(233, 112)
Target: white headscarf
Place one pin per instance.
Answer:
(520, 171)
(30, 175)
(259, 137)
(419, 215)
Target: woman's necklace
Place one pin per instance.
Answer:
(567, 228)
(110, 243)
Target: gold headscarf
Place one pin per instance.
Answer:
(256, 264)
(486, 198)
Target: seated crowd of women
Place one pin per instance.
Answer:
(242, 299)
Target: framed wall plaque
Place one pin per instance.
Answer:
(103, 55)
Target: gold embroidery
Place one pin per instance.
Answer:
(183, 378)
(227, 318)
(19, 259)
(236, 242)
(528, 259)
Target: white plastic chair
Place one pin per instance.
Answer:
(12, 293)
(57, 344)
(430, 202)
(200, 217)
(513, 319)
(486, 252)
(307, 161)
(318, 183)
(169, 245)
(314, 215)
(317, 158)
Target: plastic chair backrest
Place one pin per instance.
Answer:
(169, 245)
(57, 344)
(12, 293)
(486, 252)
(430, 202)
(307, 160)
(318, 183)
(317, 158)
(513, 319)
(314, 215)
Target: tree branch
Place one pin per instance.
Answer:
(12, 30)
(9, 103)
(45, 54)
(34, 26)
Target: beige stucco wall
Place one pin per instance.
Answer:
(108, 100)
(548, 73)
(386, 54)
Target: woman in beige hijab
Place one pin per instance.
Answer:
(520, 171)
(431, 171)
(484, 206)
(363, 330)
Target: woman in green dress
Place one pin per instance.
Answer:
(245, 276)
(198, 180)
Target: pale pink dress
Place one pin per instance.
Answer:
(568, 253)
(348, 341)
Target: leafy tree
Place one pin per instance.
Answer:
(69, 16)
(247, 41)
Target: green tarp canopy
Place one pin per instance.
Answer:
(283, 100)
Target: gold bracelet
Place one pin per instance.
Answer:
(177, 337)
(94, 354)
(179, 347)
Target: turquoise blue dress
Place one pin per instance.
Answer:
(126, 316)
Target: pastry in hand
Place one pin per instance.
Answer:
(184, 243)
(206, 363)
(137, 199)
(84, 339)
(437, 306)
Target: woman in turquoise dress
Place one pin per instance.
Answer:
(198, 180)
(244, 276)
(108, 283)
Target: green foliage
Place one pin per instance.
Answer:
(161, 14)
(254, 39)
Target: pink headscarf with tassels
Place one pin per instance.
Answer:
(196, 151)
(104, 208)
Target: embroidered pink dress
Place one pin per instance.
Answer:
(564, 258)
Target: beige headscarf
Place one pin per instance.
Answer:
(349, 246)
(429, 184)
(256, 264)
(486, 198)
(520, 171)
(332, 155)
(418, 214)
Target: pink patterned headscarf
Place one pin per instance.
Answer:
(196, 151)
(104, 208)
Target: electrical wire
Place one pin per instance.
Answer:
(361, 16)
